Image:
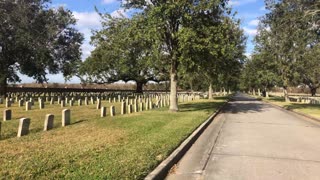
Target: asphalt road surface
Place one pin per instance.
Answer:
(252, 140)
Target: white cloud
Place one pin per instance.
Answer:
(241, 2)
(108, 1)
(59, 5)
(87, 19)
(249, 31)
(246, 15)
(87, 32)
(86, 22)
(254, 22)
(119, 13)
(86, 50)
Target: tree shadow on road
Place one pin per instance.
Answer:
(244, 99)
(249, 107)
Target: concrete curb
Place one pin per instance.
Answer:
(161, 171)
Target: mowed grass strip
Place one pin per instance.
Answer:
(121, 147)
(309, 109)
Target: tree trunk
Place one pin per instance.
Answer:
(259, 93)
(285, 93)
(173, 89)
(139, 87)
(3, 88)
(166, 85)
(191, 87)
(313, 91)
(210, 92)
(253, 92)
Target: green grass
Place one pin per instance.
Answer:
(309, 109)
(121, 147)
(78, 114)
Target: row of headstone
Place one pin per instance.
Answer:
(104, 111)
(125, 107)
(138, 102)
(110, 97)
(24, 123)
(308, 100)
(186, 98)
(128, 108)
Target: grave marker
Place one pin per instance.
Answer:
(98, 104)
(63, 104)
(48, 122)
(28, 105)
(20, 103)
(41, 104)
(135, 106)
(123, 107)
(24, 124)
(86, 101)
(112, 111)
(103, 111)
(129, 109)
(66, 117)
(7, 114)
(8, 103)
(141, 106)
(71, 102)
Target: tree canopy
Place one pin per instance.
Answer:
(173, 37)
(123, 52)
(36, 40)
(218, 53)
(287, 43)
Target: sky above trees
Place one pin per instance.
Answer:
(84, 10)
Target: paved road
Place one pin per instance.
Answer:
(252, 140)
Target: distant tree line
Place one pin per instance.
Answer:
(287, 48)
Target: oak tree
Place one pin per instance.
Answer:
(36, 40)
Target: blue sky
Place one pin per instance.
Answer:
(88, 19)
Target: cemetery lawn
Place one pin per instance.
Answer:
(120, 147)
(309, 109)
